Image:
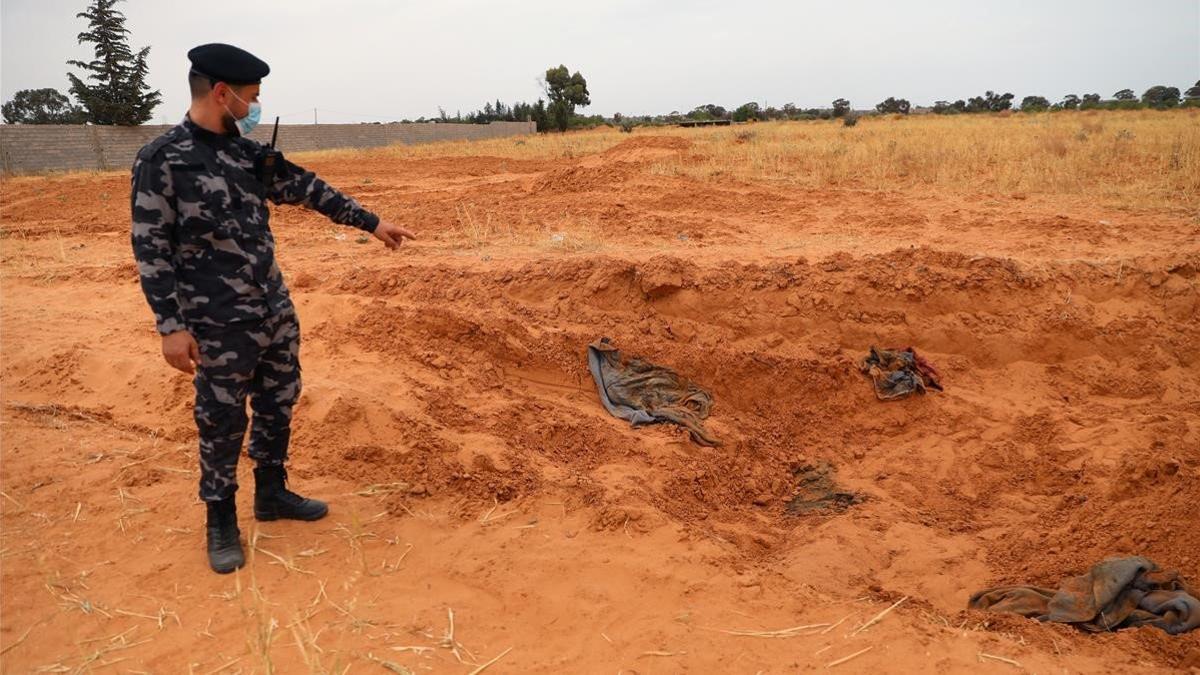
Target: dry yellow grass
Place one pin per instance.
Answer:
(1134, 158)
(480, 227)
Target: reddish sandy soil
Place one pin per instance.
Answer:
(451, 377)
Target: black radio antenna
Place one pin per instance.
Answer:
(275, 133)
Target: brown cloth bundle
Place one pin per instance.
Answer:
(1114, 594)
(898, 373)
(644, 393)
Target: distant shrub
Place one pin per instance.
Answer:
(746, 112)
(894, 105)
(1034, 104)
(1160, 96)
(850, 120)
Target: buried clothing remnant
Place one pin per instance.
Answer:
(1114, 594)
(816, 491)
(644, 393)
(899, 372)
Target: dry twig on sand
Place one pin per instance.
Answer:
(280, 560)
(499, 656)
(489, 518)
(160, 618)
(449, 641)
(376, 489)
(223, 666)
(1001, 659)
(114, 643)
(874, 620)
(840, 622)
(19, 504)
(390, 665)
(660, 653)
(782, 633)
(844, 659)
(18, 640)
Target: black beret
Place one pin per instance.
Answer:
(228, 64)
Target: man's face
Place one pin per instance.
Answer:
(236, 98)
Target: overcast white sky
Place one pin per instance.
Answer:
(367, 60)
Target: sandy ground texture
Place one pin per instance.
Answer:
(486, 512)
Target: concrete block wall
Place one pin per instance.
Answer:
(36, 148)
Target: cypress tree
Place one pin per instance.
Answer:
(119, 93)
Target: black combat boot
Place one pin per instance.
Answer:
(224, 542)
(272, 499)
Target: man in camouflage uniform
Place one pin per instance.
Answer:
(206, 258)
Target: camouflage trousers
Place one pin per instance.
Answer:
(260, 361)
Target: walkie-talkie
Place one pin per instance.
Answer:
(271, 160)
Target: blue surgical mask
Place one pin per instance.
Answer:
(246, 124)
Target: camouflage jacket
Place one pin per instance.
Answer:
(201, 235)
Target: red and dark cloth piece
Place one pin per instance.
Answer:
(898, 373)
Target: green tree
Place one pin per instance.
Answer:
(997, 102)
(841, 107)
(948, 108)
(566, 91)
(1193, 92)
(1034, 104)
(540, 115)
(1070, 102)
(119, 93)
(746, 111)
(989, 102)
(1125, 95)
(1161, 96)
(709, 111)
(41, 106)
(894, 105)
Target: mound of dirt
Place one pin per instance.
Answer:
(582, 178)
(613, 166)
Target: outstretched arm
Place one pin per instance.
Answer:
(295, 185)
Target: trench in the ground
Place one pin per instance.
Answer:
(1057, 401)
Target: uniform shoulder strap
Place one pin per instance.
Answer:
(150, 149)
